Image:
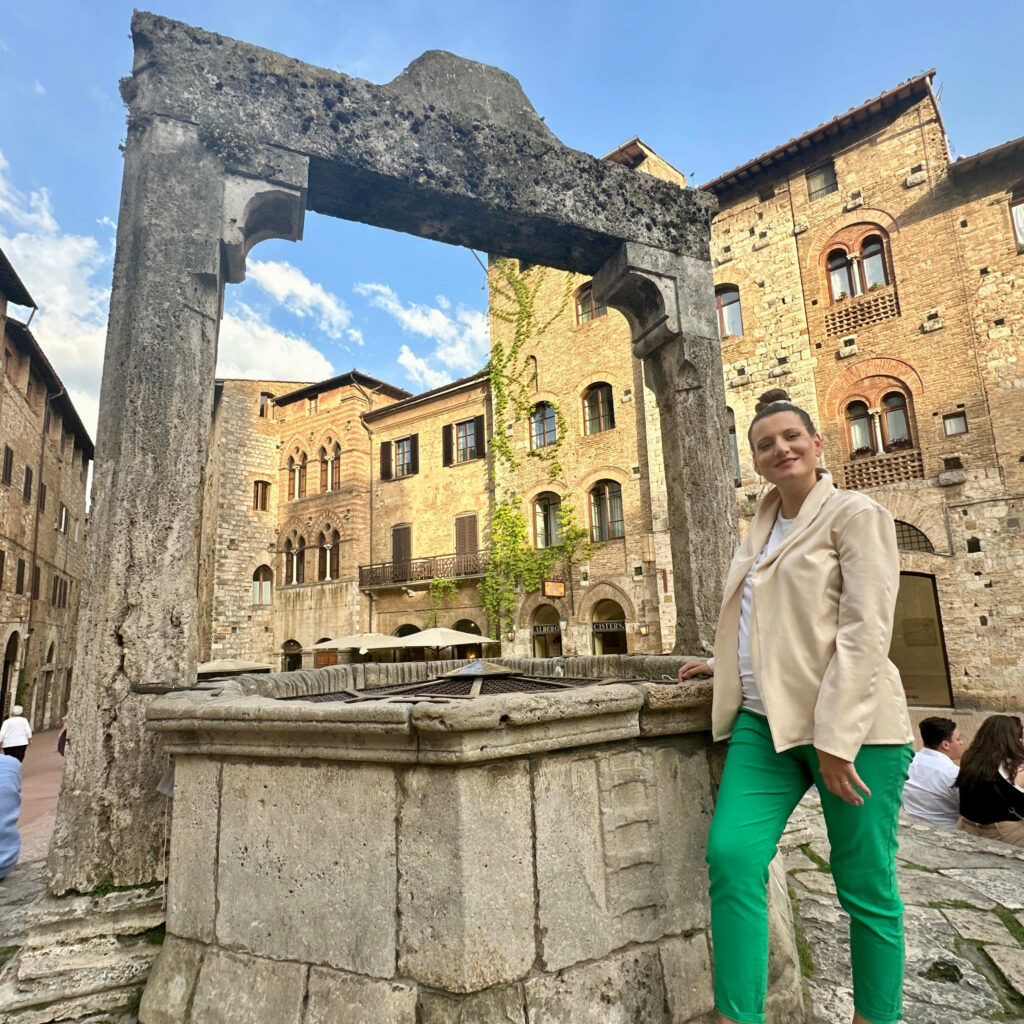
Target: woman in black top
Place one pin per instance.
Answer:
(991, 781)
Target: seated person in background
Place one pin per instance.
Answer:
(991, 781)
(10, 808)
(930, 793)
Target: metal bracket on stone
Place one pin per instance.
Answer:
(648, 287)
(256, 209)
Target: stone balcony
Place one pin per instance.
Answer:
(423, 570)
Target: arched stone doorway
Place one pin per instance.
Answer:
(547, 632)
(291, 656)
(408, 653)
(467, 650)
(9, 676)
(608, 628)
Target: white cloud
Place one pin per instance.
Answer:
(461, 339)
(355, 336)
(32, 212)
(419, 372)
(38, 89)
(300, 296)
(443, 301)
(251, 348)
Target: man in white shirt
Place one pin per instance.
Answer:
(16, 734)
(930, 794)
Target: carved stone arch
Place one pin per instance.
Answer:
(529, 605)
(296, 446)
(326, 438)
(599, 376)
(616, 473)
(907, 507)
(264, 558)
(544, 487)
(879, 366)
(604, 591)
(820, 237)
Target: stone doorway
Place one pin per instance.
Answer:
(547, 632)
(608, 628)
(9, 674)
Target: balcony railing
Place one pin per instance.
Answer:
(423, 570)
(879, 470)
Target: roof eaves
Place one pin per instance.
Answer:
(11, 286)
(829, 129)
(463, 383)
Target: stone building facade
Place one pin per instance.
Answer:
(856, 266)
(45, 453)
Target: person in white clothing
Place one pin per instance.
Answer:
(16, 734)
(930, 793)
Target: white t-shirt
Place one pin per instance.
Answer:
(751, 695)
(15, 732)
(929, 793)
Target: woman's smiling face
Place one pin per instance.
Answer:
(783, 450)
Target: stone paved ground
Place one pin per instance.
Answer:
(964, 902)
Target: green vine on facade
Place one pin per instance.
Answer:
(440, 589)
(515, 566)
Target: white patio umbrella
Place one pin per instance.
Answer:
(441, 636)
(360, 641)
(229, 667)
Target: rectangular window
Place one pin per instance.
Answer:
(403, 457)
(1017, 216)
(465, 441)
(35, 583)
(53, 589)
(19, 577)
(401, 553)
(265, 397)
(821, 181)
(8, 464)
(260, 496)
(955, 423)
(62, 518)
(26, 490)
(313, 406)
(42, 497)
(466, 535)
(3, 556)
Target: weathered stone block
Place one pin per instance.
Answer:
(466, 869)
(192, 886)
(336, 998)
(171, 982)
(625, 989)
(495, 1006)
(620, 841)
(686, 969)
(234, 989)
(317, 842)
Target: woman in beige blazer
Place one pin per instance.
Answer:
(805, 692)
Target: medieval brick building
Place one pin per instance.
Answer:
(45, 454)
(857, 266)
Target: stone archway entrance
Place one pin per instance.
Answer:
(228, 145)
(7, 685)
(291, 656)
(547, 632)
(608, 628)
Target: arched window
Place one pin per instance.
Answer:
(872, 263)
(895, 421)
(543, 425)
(842, 276)
(606, 522)
(325, 471)
(858, 423)
(585, 308)
(545, 519)
(598, 409)
(289, 562)
(328, 545)
(262, 582)
(336, 468)
(910, 538)
(733, 446)
(296, 476)
(730, 316)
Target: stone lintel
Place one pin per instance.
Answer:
(418, 154)
(460, 732)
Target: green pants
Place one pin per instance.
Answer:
(760, 788)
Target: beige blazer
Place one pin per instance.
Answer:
(821, 622)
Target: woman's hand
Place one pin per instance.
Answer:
(841, 778)
(695, 668)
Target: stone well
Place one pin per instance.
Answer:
(520, 857)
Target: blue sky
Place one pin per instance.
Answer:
(708, 87)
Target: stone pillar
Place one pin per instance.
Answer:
(668, 300)
(193, 202)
